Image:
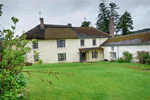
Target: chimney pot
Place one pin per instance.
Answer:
(42, 23)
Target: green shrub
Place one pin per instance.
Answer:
(148, 60)
(143, 57)
(120, 60)
(127, 56)
(112, 60)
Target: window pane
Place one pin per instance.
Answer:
(61, 56)
(35, 45)
(36, 58)
(60, 43)
(94, 42)
(82, 42)
(94, 54)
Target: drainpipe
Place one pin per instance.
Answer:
(118, 51)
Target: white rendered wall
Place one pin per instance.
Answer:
(120, 49)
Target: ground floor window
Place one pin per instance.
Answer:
(113, 55)
(36, 58)
(94, 54)
(61, 56)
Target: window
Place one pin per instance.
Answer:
(61, 56)
(60, 43)
(113, 55)
(94, 41)
(36, 58)
(112, 48)
(94, 54)
(82, 42)
(35, 45)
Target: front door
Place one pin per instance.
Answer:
(83, 56)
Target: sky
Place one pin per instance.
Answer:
(63, 12)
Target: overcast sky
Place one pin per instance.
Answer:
(63, 12)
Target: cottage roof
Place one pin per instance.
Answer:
(132, 39)
(64, 31)
(90, 32)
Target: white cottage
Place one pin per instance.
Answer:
(64, 43)
(114, 47)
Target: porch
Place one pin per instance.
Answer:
(91, 54)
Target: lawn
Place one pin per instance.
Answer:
(91, 81)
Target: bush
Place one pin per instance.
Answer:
(28, 64)
(112, 60)
(127, 56)
(144, 57)
(105, 60)
(120, 60)
(148, 60)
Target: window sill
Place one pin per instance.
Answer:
(62, 61)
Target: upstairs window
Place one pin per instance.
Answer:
(94, 42)
(35, 45)
(36, 58)
(94, 54)
(61, 56)
(112, 48)
(82, 42)
(60, 43)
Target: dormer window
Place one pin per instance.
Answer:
(94, 42)
(60, 43)
(35, 45)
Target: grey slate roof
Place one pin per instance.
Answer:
(132, 39)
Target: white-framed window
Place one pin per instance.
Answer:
(35, 45)
(94, 54)
(113, 55)
(61, 56)
(60, 43)
(82, 42)
(36, 58)
(94, 42)
(112, 48)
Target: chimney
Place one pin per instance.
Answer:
(111, 26)
(42, 23)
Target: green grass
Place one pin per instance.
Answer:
(91, 81)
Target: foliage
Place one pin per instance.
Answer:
(12, 62)
(1, 9)
(104, 15)
(120, 60)
(85, 23)
(144, 57)
(112, 60)
(103, 18)
(127, 56)
(125, 24)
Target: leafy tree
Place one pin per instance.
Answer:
(85, 23)
(1, 9)
(104, 15)
(103, 18)
(125, 23)
(12, 62)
